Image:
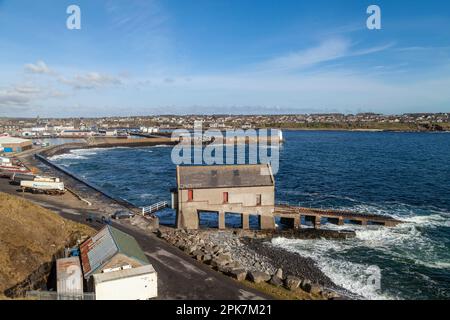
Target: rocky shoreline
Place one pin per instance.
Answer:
(249, 256)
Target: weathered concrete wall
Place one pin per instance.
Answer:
(241, 200)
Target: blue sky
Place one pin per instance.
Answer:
(142, 57)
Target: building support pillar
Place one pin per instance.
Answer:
(266, 222)
(187, 219)
(245, 221)
(221, 220)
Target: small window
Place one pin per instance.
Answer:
(225, 197)
(258, 199)
(190, 195)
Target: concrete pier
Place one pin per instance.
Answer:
(290, 214)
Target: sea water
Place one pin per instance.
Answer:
(406, 175)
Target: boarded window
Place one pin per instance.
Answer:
(225, 197)
(258, 199)
(190, 195)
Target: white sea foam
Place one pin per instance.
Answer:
(67, 156)
(80, 154)
(405, 243)
(351, 276)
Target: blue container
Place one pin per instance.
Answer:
(74, 252)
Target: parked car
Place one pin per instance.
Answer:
(123, 214)
(106, 220)
(102, 220)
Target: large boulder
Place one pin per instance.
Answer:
(279, 273)
(238, 274)
(315, 289)
(197, 254)
(192, 248)
(258, 276)
(292, 282)
(330, 295)
(220, 260)
(207, 258)
(276, 281)
(306, 285)
(225, 269)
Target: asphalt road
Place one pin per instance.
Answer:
(179, 276)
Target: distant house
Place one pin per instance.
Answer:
(116, 268)
(238, 189)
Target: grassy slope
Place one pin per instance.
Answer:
(29, 236)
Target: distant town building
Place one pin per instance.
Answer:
(77, 133)
(238, 189)
(15, 145)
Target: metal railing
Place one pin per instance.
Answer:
(155, 207)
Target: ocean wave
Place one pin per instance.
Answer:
(67, 156)
(80, 154)
(351, 276)
(407, 244)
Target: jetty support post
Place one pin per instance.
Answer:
(316, 222)
(297, 222)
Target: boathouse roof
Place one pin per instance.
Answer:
(101, 248)
(224, 176)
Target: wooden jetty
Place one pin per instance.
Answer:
(292, 216)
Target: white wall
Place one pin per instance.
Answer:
(141, 287)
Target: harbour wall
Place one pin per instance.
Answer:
(91, 185)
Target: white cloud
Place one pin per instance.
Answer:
(38, 68)
(91, 80)
(19, 95)
(11, 98)
(328, 50)
(27, 89)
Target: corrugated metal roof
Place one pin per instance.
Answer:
(99, 249)
(109, 276)
(128, 245)
(226, 176)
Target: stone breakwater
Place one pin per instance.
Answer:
(243, 257)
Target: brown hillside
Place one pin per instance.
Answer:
(29, 236)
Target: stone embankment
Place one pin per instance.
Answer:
(237, 256)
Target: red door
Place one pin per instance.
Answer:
(225, 197)
(190, 195)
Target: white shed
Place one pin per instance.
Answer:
(127, 284)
